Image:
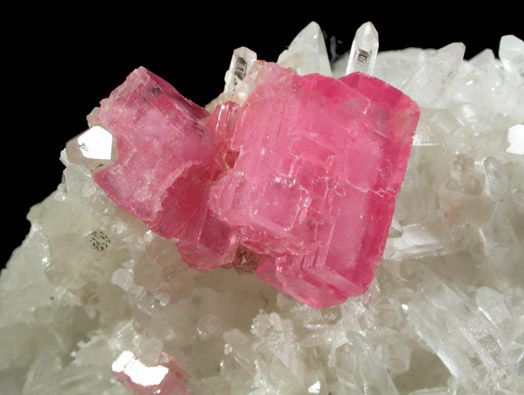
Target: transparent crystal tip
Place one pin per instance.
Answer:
(364, 49)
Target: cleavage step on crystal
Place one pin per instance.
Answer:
(275, 176)
(297, 172)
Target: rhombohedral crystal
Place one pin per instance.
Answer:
(288, 176)
(302, 176)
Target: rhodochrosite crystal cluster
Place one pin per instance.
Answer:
(291, 175)
(302, 177)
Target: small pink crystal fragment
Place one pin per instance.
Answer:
(298, 183)
(166, 378)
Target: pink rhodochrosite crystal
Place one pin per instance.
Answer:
(297, 184)
(166, 160)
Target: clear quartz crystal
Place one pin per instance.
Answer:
(95, 149)
(163, 378)
(241, 61)
(428, 85)
(364, 49)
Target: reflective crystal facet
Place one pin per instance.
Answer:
(364, 49)
(165, 378)
(95, 149)
(429, 83)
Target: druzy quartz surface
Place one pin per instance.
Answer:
(302, 176)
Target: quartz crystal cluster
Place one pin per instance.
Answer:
(97, 301)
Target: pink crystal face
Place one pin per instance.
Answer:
(166, 160)
(166, 378)
(313, 189)
(301, 178)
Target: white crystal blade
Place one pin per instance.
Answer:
(364, 49)
(307, 53)
(427, 86)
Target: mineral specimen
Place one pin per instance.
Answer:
(312, 191)
(93, 291)
(304, 174)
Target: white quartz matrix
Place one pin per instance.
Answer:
(445, 314)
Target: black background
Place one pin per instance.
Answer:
(58, 63)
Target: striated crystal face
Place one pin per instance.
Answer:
(304, 174)
(241, 62)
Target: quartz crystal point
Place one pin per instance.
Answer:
(301, 178)
(364, 49)
(239, 79)
(307, 53)
(241, 62)
(317, 223)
